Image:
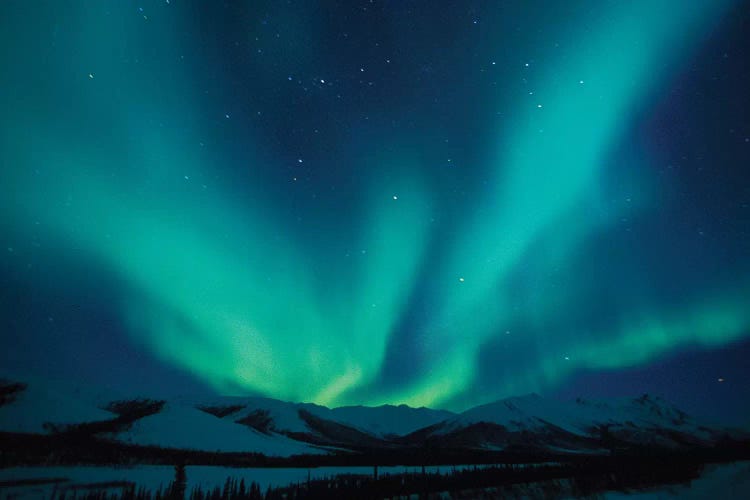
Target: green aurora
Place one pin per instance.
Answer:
(120, 149)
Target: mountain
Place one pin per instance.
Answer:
(181, 425)
(27, 407)
(526, 424)
(225, 424)
(348, 426)
(43, 408)
(533, 423)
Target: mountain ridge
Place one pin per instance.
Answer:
(519, 424)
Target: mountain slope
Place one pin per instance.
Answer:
(36, 405)
(353, 425)
(526, 424)
(533, 423)
(182, 425)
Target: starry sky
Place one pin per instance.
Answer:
(379, 201)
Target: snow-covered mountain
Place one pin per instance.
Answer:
(277, 428)
(271, 415)
(534, 423)
(225, 424)
(181, 425)
(29, 406)
(43, 408)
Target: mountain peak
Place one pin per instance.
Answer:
(275, 427)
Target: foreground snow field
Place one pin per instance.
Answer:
(718, 481)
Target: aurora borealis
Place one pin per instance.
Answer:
(375, 201)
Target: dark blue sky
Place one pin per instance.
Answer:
(379, 201)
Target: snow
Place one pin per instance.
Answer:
(717, 481)
(388, 419)
(532, 412)
(285, 415)
(524, 413)
(41, 403)
(158, 476)
(379, 421)
(148, 476)
(182, 425)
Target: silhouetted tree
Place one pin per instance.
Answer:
(180, 483)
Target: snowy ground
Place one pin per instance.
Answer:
(718, 481)
(721, 481)
(157, 476)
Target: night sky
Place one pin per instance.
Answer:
(366, 202)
